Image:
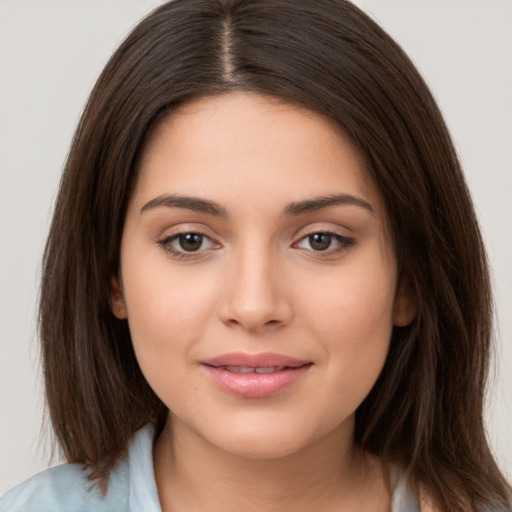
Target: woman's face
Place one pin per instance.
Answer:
(257, 275)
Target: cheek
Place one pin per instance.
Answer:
(358, 301)
(352, 317)
(167, 313)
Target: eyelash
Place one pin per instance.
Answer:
(343, 244)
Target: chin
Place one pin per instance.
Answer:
(248, 447)
(267, 441)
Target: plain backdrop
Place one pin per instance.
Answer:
(51, 53)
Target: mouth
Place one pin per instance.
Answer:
(255, 375)
(248, 369)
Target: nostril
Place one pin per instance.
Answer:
(254, 325)
(254, 308)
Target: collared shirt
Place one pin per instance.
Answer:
(131, 487)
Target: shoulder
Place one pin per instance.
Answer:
(409, 495)
(131, 485)
(66, 488)
(404, 491)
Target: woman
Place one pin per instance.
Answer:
(280, 275)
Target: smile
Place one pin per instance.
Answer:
(254, 375)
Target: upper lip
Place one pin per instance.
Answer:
(263, 360)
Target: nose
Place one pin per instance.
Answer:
(255, 297)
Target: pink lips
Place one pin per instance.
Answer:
(254, 375)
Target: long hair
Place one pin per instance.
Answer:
(425, 411)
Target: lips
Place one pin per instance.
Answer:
(249, 369)
(255, 375)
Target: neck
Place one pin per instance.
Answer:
(332, 473)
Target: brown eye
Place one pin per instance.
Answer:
(320, 241)
(325, 243)
(182, 245)
(190, 242)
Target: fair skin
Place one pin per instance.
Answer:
(254, 232)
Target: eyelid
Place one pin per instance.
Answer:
(185, 227)
(323, 227)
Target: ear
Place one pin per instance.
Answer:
(406, 303)
(117, 304)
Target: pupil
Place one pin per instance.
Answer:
(191, 241)
(320, 241)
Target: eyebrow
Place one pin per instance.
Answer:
(189, 203)
(321, 203)
(292, 209)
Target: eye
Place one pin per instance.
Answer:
(186, 244)
(189, 242)
(325, 242)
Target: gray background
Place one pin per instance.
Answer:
(52, 51)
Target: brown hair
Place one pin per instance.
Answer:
(425, 411)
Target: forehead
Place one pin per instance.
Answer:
(238, 140)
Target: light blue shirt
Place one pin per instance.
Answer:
(131, 487)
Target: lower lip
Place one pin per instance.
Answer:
(255, 385)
